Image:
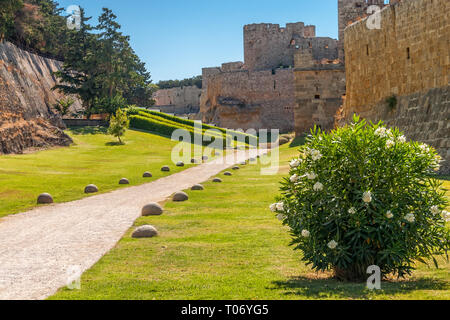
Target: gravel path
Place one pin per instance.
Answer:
(38, 247)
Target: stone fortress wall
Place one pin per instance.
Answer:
(260, 92)
(408, 59)
(180, 100)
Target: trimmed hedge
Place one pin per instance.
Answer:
(192, 123)
(149, 124)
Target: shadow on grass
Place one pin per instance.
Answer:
(114, 144)
(88, 130)
(299, 141)
(327, 288)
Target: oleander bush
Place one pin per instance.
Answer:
(362, 195)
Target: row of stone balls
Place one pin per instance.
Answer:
(46, 198)
(154, 209)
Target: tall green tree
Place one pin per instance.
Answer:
(79, 74)
(8, 10)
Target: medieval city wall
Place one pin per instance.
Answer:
(243, 99)
(408, 60)
(180, 100)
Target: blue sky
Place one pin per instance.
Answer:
(178, 38)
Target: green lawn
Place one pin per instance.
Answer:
(94, 158)
(224, 243)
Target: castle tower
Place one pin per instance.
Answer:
(267, 46)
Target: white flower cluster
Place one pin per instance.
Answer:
(446, 215)
(318, 187)
(315, 154)
(383, 132)
(311, 175)
(277, 207)
(410, 217)
(305, 234)
(295, 163)
(389, 215)
(367, 197)
(352, 210)
(295, 178)
(332, 244)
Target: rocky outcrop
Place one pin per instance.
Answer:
(27, 117)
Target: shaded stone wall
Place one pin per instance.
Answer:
(407, 58)
(319, 88)
(181, 100)
(27, 117)
(249, 99)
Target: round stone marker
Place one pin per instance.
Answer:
(194, 161)
(243, 163)
(197, 187)
(217, 154)
(235, 168)
(217, 180)
(180, 164)
(152, 209)
(147, 175)
(45, 198)
(92, 188)
(124, 181)
(228, 173)
(252, 159)
(146, 231)
(165, 169)
(205, 158)
(180, 196)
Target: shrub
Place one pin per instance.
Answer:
(362, 195)
(118, 124)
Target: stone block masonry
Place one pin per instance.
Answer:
(180, 100)
(409, 59)
(260, 93)
(249, 99)
(319, 88)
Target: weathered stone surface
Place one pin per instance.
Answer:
(205, 158)
(217, 180)
(227, 173)
(411, 64)
(146, 231)
(217, 154)
(27, 117)
(165, 169)
(180, 196)
(180, 164)
(45, 198)
(124, 181)
(180, 100)
(194, 161)
(261, 93)
(235, 168)
(152, 209)
(197, 187)
(92, 188)
(147, 175)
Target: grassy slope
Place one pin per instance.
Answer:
(225, 244)
(94, 158)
